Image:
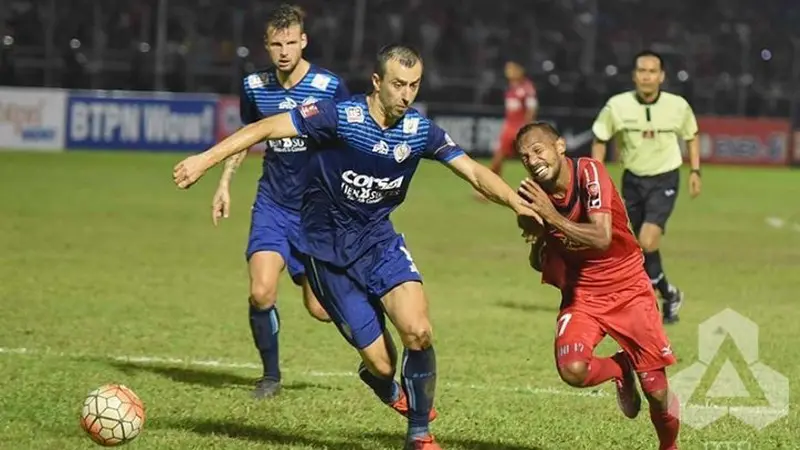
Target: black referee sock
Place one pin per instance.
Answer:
(652, 265)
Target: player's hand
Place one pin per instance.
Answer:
(695, 185)
(221, 204)
(188, 171)
(539, 201)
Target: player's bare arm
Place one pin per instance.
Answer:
(595, 234)
(491, 185)
(598, 150)
(188, 171)
(221, 203)
(695, 185)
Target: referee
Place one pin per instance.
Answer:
(646, 124)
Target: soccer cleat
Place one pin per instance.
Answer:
(424, 443)
(670, 307)
(266, 388)
(401, 406)
(628, 398)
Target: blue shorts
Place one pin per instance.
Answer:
(270, 228)
(352, 295)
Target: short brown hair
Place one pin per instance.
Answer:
(405, 55)
(284, 16)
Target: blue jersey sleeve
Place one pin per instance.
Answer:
(318, 120)
(341, 93)
(248, 112)
(440, 146)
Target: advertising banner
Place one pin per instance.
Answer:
(478, 134)
(229, 119)
(152, 123)
(746, 141)
(32, 119)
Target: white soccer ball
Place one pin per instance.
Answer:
(112, 415)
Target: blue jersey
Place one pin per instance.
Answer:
(362, 175)
(286, 160)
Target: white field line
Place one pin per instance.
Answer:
(311, 373)
(778, 223)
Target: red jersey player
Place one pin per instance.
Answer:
(588, 251)
(521, 106)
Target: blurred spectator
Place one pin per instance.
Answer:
(727, 56)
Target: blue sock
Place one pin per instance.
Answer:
(387, 389)
(419, 384)
(265, 324)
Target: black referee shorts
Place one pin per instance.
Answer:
(650, 199)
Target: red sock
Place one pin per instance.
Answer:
(601, 370)
(667, 425)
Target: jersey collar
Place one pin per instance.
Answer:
(645, 102)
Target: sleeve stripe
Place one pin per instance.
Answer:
(594, 170)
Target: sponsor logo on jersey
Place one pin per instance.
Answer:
(288, 145)
(354, 114)
(321, 81)
(410, 125)
(368, 189)
(309, 110)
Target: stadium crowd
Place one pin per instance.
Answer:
(726, 56)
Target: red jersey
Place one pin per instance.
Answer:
(520, 98)
(574, 268)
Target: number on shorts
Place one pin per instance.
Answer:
(562, 323)
(412, 267)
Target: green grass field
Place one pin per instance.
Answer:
(110, 274)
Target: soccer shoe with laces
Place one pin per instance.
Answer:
(628, 398)
(401, 406)
(424, 443)
(266, 388)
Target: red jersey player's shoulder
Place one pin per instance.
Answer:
(528, 85)
(591, 169)
(595, 184)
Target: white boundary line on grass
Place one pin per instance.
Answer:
(778, 223)
(311, 373)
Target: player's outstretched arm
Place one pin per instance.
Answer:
(188, 171)
(490, 185)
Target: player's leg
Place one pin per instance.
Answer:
(577, 335)
(265, 268)
(294, 265)
(267, 253)
(662, 191)
(638, 329)
(311, 302)
(362, 324)
(397, 281)
(504, 150)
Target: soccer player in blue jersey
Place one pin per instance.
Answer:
(359, 266)
(275, 215)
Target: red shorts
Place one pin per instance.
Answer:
(634, 323)
(507, 135)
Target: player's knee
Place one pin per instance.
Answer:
(263, 295)
(656, 388)
(418, 336)
(648, 241)
(574, 372)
